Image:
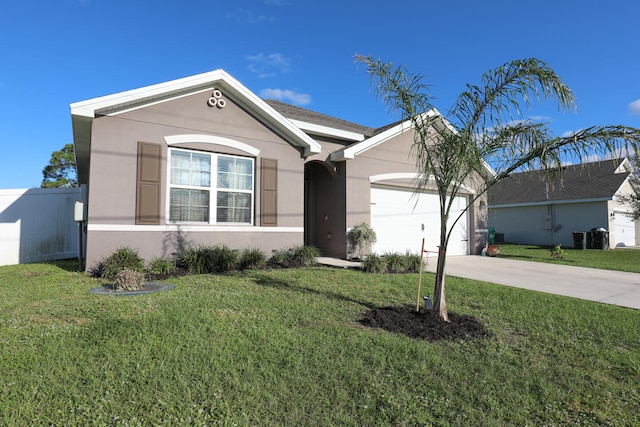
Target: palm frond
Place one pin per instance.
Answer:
(506, 90)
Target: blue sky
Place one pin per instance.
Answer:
(55, 52)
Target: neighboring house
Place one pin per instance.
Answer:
(529, 209)
(203, 160)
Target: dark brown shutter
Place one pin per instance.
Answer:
(269, 193)
(148, 183)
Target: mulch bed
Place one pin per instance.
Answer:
(424, 324)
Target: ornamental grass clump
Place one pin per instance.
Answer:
(297, 256)
(305, 256)
(209, 259)
(394, 263)
(122, 258)
(374, 264)
(251, 258)
(161, 266)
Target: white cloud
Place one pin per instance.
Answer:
(286, 95)
(266, 65)
(249, 17)
(540, 118)
(634, 107)
(570, 133)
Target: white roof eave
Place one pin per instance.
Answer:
(137, 98)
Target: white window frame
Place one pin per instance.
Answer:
(212, 188)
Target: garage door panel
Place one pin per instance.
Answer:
(624, 230)
(401, 220)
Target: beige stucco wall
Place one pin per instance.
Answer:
(112, 191)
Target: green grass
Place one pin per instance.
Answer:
(615, 259)
(283, 347)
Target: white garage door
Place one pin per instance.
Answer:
(624, 230)
(401, 219)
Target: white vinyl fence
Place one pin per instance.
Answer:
(38, 225)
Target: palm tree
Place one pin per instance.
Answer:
(485, 136)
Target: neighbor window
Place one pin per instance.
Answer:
(210, 188)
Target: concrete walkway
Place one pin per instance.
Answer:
(609, 287)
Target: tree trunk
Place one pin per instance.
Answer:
(439, 301)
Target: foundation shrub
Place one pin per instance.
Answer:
(122, 258)
(396, 263)
(305, 255)
(161, 266)
(206, 259)
(282, 257)
(224, 259)
(391, 263)
(374, 263)
(297, 256)
(412, 262)
(251, 258)
(197, 260)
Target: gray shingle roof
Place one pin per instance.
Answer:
(595, 180)
(304, 115)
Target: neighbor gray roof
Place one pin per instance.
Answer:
(597, 180)
(304, 115)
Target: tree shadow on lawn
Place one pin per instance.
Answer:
(404, 320)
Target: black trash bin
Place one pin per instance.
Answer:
(599, 238)
(579, 240)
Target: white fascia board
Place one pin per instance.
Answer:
(328, 131)
(135, 98)
(618, 192)
(623, 167)
(90, 107)
(355, 149)
(549, 202)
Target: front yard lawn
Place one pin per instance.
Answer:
(620, 259)
(285, 347)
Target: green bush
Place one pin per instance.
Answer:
(297, 256)
(412, 262)
(305, 255)
(251, 258)
(161, 266)
(392, 263)
(197, 260)
(123, 257)
(205, 259)
(282, 257)
(225, 259)
(396, 263)
(374, 264)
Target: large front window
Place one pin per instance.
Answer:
(210, 188)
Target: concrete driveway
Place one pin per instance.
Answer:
(609, 287)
